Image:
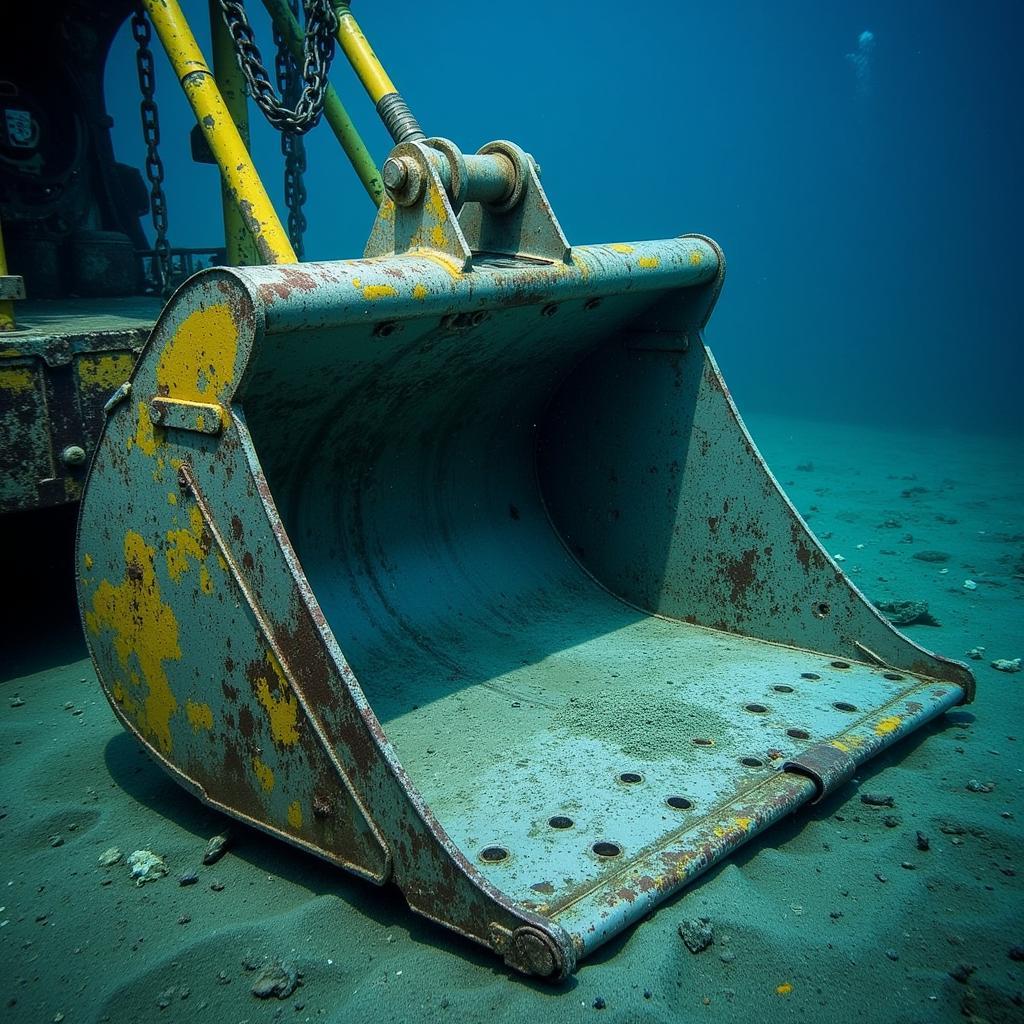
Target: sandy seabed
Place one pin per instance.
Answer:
(834, 914)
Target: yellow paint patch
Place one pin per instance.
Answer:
(263, 773)
(185, 544)
(16, 379)
(198, 363)
(695, 257)
(744, 823)
(145, 438)
(87, 560)
(279, 702)
(888, 725)
(106, 371)
(295, 814)
(419, 291)
(378, 291)
(200, 716)
(172, 498)
(144, 629)
(205, 580)
(648, 262)
(622, 247)
(784, 989)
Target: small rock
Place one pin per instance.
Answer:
(648, 994)
(17, 702)
(727, 957)
(907, 613)
(974, 786)
(976, 653)
(697, 933)
(1007, 665)
(599, 1003)
(962, 972)
(223, 978)
(923, 842)
(907, 866)
(931, 556)
(164, 999)
(892, 954)
(1016, 953)
(970, 585)
(68, 706)
(56, 841)
(877, 799)
(216, 847)
(882, 878)
(189, 878)
(146, 866)
(891, 821)
(184, 919)
(110, 857)
(277, 978)
(217, 886)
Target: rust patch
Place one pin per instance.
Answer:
(741, 574)
(543, 887)
(236, 528)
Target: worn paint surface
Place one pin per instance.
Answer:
(56, 373)
(506, 520)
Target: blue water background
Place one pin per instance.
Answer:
(872, 223)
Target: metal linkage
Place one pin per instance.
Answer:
(292, 146)
(142, 34)
(318, 51)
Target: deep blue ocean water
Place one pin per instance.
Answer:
(866, 188)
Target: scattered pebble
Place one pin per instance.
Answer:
(727, 957)
(599, 1003)
(923, 842)
(931, 556)
(189, 878)
(277, 978)
(17, 702)
(109, 857)
(891, 821)
(882, 878)
(184, 919)
(697, 933)
(907, 613)
(970, 585)
(1016, 953)
(974, 786)
(906, 865)
(216, 847)
(57, 840)
(877, 799)
(217, 886)
(892, 954)
(976, 653)
(146, 866)
(1007, 665)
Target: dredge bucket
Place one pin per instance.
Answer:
(457, 568)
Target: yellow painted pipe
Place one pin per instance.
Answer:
(238, 243)
(236, 166)
(7, 322)
(360, 55)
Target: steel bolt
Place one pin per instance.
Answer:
(156, 412)
(73, 455)
(394, 174)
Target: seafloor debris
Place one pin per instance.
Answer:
(146, 866)
(974, 786)
(275, 978)
(216, 847)
(976, 653)
(1007, 664)
(188, 878)
(877, 799)
(970, 585)
(697, 933)
(923, 842)
(109, 857)
(931, 556)
(907, 613)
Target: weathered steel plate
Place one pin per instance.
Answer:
(480, 587)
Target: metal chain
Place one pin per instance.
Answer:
(292, 146)
(318, 51)
(142, 34)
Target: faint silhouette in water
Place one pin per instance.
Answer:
(862, 60)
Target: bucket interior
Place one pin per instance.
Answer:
(554, 728)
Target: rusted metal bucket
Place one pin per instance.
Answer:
(458, 569)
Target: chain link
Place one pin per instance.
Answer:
(142, 34)
(318, 52)
(292, 145)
